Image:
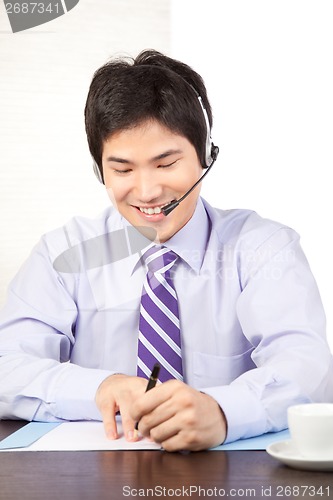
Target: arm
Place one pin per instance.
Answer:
(37, 328)
(281, 314)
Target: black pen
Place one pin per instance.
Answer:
(151, 382)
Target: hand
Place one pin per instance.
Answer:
(116, 393)
(179, 417)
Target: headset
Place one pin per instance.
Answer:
(211, 153)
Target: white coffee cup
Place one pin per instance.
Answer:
(311, 430)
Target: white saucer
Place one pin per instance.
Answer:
(285, 452)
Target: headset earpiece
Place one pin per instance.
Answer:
(214, 152)
(98, 172)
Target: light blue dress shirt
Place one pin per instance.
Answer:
(252, 322)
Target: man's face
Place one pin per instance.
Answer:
(147, 167)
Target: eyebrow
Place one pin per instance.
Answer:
(165, 154)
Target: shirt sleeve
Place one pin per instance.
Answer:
(37, 333)
(281, 314)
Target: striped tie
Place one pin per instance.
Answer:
(159, 332)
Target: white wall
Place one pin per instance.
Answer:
(45, 168)
(268, 68)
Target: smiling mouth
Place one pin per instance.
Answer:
(152, 210)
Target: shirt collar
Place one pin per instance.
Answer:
(189, 243)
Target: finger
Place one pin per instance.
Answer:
(130, 432)
(109, 422)
(168, 427)
(150, 400)
(181, 439)
(175, 443)
(163, 420)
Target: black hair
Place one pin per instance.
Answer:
(126, 92)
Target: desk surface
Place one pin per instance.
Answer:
(109, 475)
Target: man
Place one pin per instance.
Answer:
(245, 334)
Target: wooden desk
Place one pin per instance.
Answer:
(128, 474)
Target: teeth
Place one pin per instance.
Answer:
(151, 211)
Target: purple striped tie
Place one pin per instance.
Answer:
(159, 331)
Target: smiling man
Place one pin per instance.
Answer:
(223, 300)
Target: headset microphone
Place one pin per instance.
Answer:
(174, 203)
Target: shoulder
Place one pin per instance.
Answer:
(246, 228)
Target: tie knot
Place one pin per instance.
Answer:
(160, 259)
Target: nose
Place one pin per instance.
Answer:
(147, 187)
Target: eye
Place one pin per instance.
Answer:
(168, 165)
(122, 172)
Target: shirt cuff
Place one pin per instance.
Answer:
(76, 392)
(244, 414)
